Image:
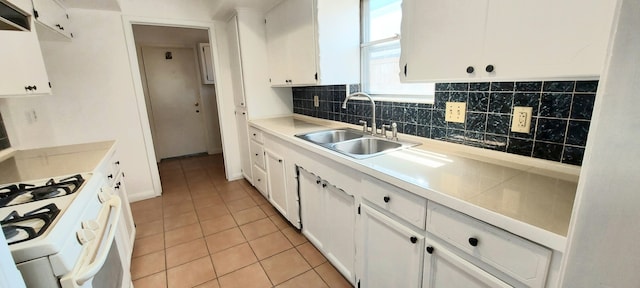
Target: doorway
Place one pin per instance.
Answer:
(182, 110)
(174, 100)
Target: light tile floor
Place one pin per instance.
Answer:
(207, 232)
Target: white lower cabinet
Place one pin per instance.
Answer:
(243, 143)
(390, 254)
(312, 207)
(260, 180)
(276, 181)
(328, 221)
(444, 269)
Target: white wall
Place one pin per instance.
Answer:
(603, 249)
(93, 95)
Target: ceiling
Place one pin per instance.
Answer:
(220, 9)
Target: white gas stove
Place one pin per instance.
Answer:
(61, 231)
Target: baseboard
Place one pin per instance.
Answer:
(144, 195)
(236, 177)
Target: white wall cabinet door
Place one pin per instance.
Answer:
(235, 61)
(294, 29)
(389, 253)
(276, 181)
(312, 205)
(503, 40)
(206, 64)
(302, 66)
(24, 72)
(243, 142)
(291, 43)
(277, 26)
(448, 40)
(443, 269)
(54, 17)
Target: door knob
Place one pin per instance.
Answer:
(197, 104)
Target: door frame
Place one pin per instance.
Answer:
(227, 132)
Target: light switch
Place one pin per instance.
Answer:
(316, 101)
(455, 112)
(521, 121)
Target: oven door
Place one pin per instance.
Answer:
(101, 263)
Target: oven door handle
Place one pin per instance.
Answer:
(87, 273)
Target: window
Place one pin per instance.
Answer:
(381, 53)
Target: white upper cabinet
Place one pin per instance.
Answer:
(24, 72)
(206, 64)
(54, 20)
(313, 42)
(486, 40)
(24, 5)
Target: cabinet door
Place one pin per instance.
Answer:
(443, 269)
(243, 142)
(126, 219)
(235, 62)
(206, 64)
(301, 38)
(277, 29)
(442, 38)
(276, 182)
(312, 205)
(23, 64)
(340, 220)
(53, 16)
(390, 254)
(567, 40)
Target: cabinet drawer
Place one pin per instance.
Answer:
(256, 134)
(403, 204)
(260, 180)
(257, 154)
(521, 259)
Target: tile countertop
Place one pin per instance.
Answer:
(528, 197)
(42, 163)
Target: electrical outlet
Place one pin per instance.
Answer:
(521, 121)
(316, 101)
(455, 112)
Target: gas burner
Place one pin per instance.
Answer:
(23, 193)
(9, 231)
(30, 225)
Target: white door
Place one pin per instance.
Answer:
(390, 254)
(174, 94)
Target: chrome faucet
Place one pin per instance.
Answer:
(374, 130)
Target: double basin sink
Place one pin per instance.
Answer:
(353, 143)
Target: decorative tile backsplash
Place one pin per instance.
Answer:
(4, 139)
(559, 126)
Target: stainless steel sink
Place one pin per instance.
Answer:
(331, 136)
(365, 146)
(353, 143)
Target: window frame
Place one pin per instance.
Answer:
(364, 63)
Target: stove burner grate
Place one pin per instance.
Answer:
(11, 225)
(50, 189)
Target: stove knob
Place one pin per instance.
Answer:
(104, 196)
(91, 225)
(85, 236)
